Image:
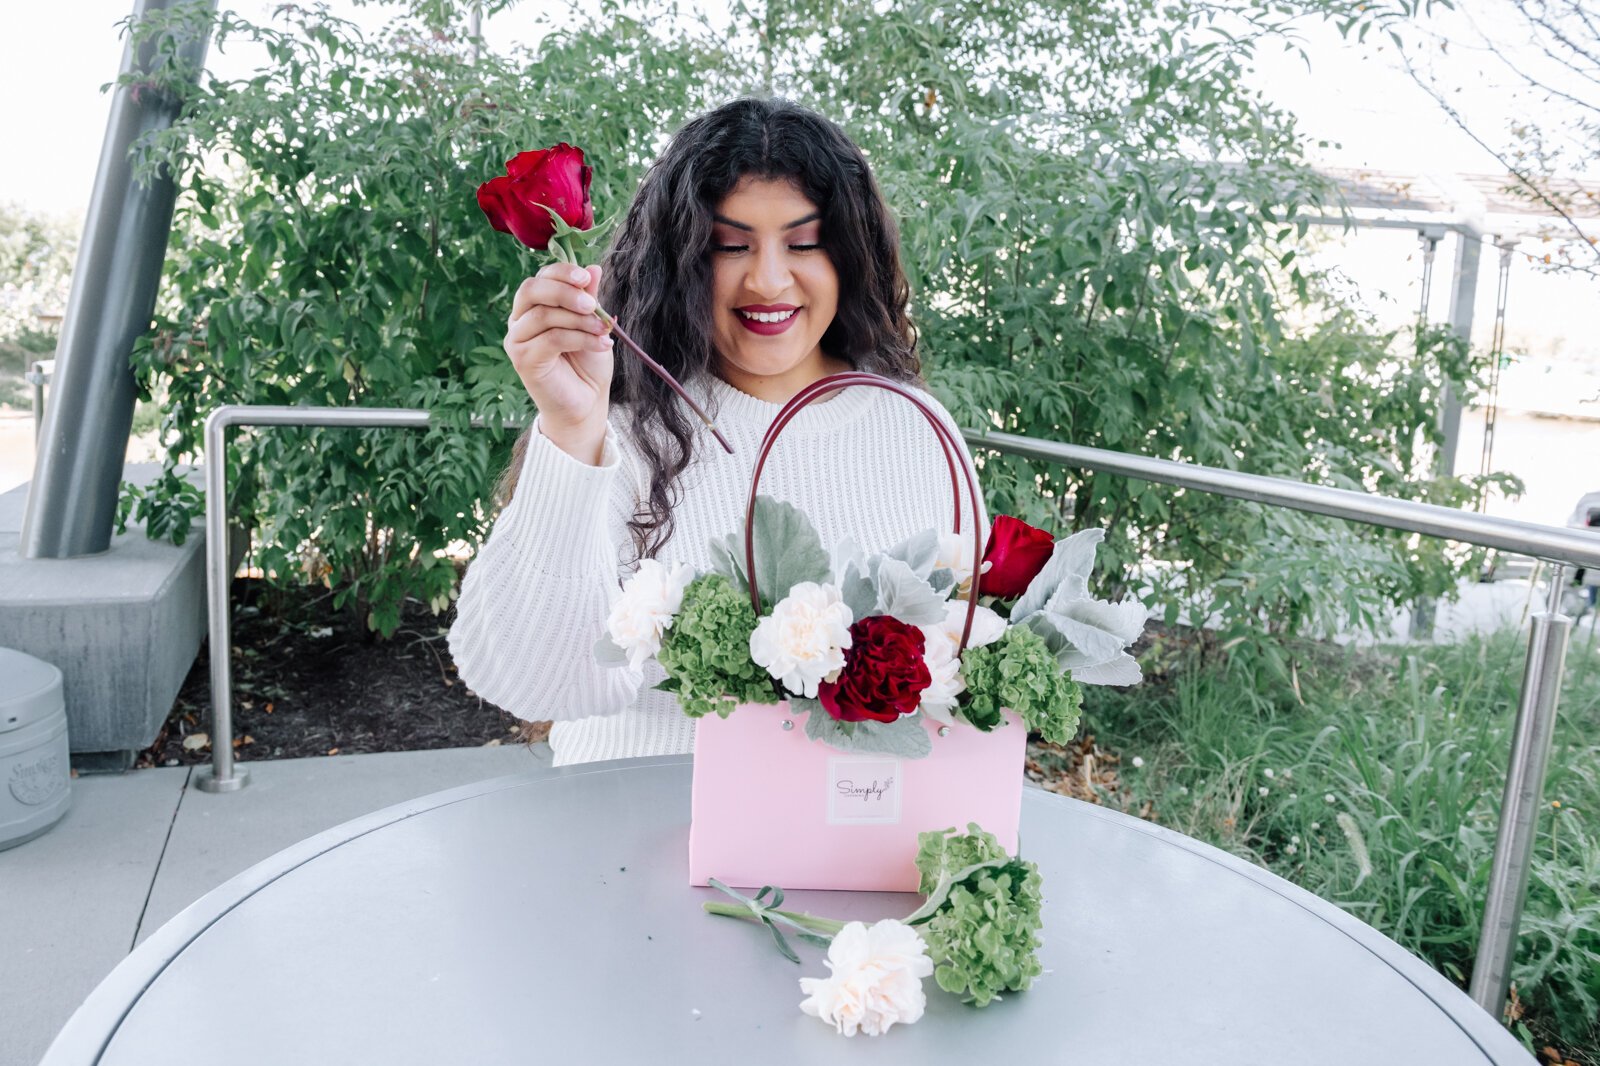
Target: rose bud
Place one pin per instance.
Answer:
(553, 178)
(1014, 556)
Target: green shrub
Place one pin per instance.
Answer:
(1381, 792)
(1090, 261)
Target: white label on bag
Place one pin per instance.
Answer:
(863, 791)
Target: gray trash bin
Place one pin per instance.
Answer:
(35, 769)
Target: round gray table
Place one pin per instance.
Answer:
(548, 918)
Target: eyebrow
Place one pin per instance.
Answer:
(812, 217)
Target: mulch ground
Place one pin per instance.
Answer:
(306, 681)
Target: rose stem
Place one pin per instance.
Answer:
(661, 372)
(812, 921)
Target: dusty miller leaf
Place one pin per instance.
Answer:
(906, 596)
(858, 592)
(1065, 576)
(905, 738)
(918, 552)
(788, 550)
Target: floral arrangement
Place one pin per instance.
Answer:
(867, 643)
(976, 934)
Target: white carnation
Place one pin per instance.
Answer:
(987, 626)
(649, 600)
(876, 979)
(944, 667)
(801, 643)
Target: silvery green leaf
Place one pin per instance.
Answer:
(905, 738)
(819, 726)
(607, 654)
(943, 580)
(1074, 643)
(788, 550)
(1123, 670)
(1064, 577)
(906, 596)
(1125, 619)
(858, 592)
(727, 559)
(846, 553)
(919, 552)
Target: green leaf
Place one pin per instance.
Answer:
(902, 594)
(905, 738)
(788, 550)
(919, 552)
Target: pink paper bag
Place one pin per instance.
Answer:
(770, 806)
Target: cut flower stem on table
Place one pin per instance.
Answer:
(979, 925)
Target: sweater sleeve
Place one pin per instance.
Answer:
(535, 598)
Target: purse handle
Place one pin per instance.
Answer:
(947, 444)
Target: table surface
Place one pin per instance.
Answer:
(549, 917)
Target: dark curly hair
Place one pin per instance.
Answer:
(658, 275)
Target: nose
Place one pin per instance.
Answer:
(769, 275)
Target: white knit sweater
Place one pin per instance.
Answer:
(863, 464)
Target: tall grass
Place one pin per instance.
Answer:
(1373, 778)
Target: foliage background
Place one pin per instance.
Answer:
(1102, 226)
(36, 257)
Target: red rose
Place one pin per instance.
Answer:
(884, 672)
(1018, 552)
(552, 177)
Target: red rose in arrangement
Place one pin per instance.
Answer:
(884, 672)
(553, 178)
(1016, 553)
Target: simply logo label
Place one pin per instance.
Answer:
(863, 791)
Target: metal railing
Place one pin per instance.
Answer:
(1541, 687)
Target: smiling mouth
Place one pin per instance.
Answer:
(767, 316)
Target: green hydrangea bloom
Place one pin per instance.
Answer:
(983, 935)
(943, 853)
(706, 651)
(1020, 672)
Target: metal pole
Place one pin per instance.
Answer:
(72, 501)
(1463, 298)
(1422, 611)
(224, 777)
(475, 30)
(1524, 796)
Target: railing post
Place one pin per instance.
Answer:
(1524, 797)
(223, 775)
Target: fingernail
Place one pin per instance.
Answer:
(585, 302)
(580, 276)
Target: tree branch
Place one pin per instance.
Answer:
(1523, 179)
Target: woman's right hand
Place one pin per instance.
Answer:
(563, 354)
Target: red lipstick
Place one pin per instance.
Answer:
(767, 329)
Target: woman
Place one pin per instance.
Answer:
(757, 257)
